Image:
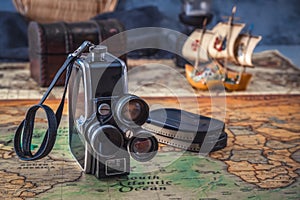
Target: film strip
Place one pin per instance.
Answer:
(212, 141)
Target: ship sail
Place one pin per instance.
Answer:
(221, 45)
(244, 47)
(223, 42)
(197, 43)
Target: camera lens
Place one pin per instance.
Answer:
(132, 110)
(143, 147)
(106, 140)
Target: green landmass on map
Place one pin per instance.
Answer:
(261, 161)
(189, 177)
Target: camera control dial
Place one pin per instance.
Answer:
(104, 109)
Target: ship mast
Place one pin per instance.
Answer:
(200, 42)
(230, 23)
(243, 69)
(223, 44)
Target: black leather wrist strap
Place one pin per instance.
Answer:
(24, 133)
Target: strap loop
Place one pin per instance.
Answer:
(24, 133)
(23, 149)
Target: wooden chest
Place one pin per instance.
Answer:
(50, 44)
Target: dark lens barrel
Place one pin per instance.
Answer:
(143, 147)
(106, 140)
(132, 110)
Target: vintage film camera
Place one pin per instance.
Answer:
(104, 120)
(107, 125)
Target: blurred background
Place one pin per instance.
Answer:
(276, 20)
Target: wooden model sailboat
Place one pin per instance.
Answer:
(219, 46)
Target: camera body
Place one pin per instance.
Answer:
(104, 120)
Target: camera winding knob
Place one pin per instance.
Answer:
(98, 52)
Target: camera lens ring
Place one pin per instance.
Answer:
(143, 147)
(106, 140)
(131, 110)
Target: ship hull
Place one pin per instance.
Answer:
(241, 85)
(222, 45)
(203, 84)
